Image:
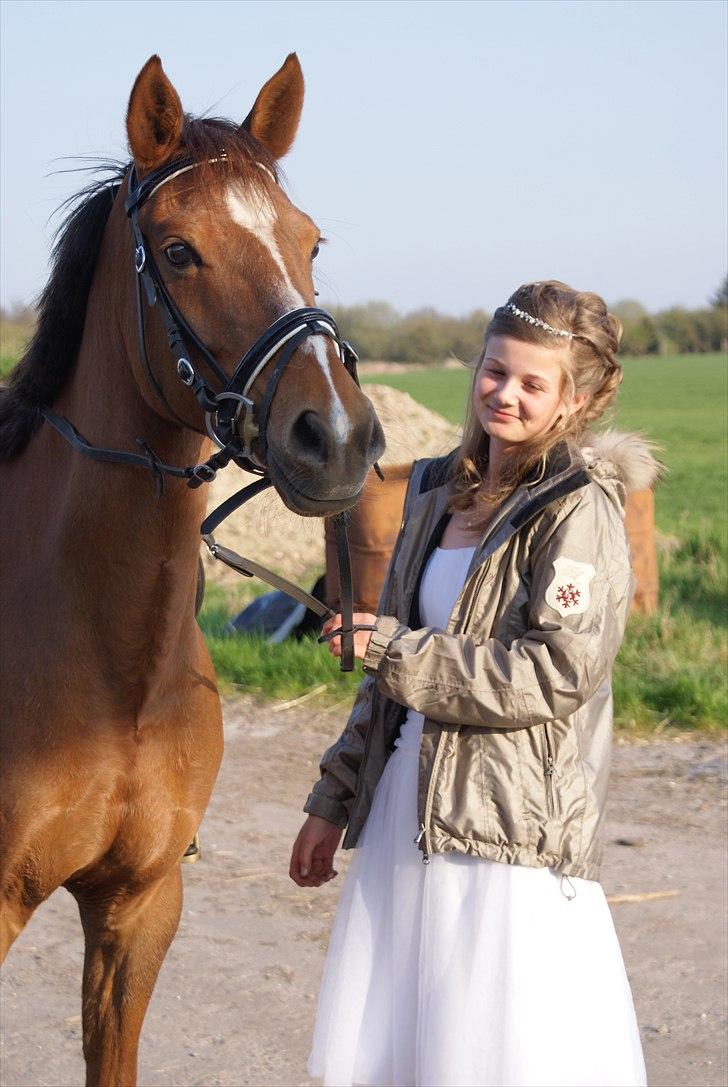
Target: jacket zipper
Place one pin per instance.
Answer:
(549, 773)
(425, 826)
(367, 739)
(365, 753)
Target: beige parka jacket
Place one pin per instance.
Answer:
(516, 691)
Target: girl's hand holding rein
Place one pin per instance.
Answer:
(361, 637)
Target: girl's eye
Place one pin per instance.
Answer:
(534, 388)
(315, 251)
(179, 255)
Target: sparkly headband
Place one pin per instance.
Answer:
(537, 321)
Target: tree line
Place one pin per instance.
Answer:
(378, 332)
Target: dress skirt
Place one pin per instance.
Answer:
(466, 971)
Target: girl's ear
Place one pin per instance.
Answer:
(578, 403)
(154, 118)
(274, 118)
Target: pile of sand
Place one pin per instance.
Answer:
(266, 531)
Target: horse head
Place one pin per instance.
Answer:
(232, 255)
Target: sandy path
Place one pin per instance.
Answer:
(236, 996)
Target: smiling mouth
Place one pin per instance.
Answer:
(505, 414)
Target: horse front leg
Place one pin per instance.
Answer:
(126, 941)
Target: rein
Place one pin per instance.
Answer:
(232, 420)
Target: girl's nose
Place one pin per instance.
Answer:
(506, 393)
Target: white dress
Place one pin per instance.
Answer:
(466, 971)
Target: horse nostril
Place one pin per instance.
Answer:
(310, 435)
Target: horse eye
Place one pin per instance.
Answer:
(315, 251)
(179, 255)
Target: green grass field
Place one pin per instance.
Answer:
(671, 672)
(14, 336)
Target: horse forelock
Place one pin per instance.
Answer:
(223, 150)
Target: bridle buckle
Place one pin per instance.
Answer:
(204, 473)
(350, 355)
(185, 371)
(140, 258)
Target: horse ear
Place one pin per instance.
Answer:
(154, 118)
(274, 118)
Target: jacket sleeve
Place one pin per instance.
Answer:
(334, 792)
(555, 666)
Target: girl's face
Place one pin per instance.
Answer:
(518, 390)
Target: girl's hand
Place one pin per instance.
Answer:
(361, 637)
(312, 859)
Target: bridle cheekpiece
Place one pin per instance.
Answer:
(229, 412)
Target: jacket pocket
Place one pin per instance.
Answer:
(549, 770)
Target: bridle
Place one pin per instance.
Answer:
(229, 411)
(232, 420)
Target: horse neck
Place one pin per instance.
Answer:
(138, 552)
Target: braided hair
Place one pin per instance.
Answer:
(578, 325)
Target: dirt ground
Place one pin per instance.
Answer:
(235, 999)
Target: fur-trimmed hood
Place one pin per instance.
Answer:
(631, 456)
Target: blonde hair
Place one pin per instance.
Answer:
(589, 365)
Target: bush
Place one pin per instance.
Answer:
(378, 332)
(690, 331)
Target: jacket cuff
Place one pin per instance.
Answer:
(326, 808)
(386, 627)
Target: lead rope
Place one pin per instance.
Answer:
(346, 597)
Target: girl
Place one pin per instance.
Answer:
(479, 741)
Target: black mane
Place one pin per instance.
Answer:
(48, 362)
(44, 368)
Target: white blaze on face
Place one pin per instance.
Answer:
(255, 212)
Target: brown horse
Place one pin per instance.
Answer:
(111, 723)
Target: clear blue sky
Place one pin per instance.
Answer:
(449, 150)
